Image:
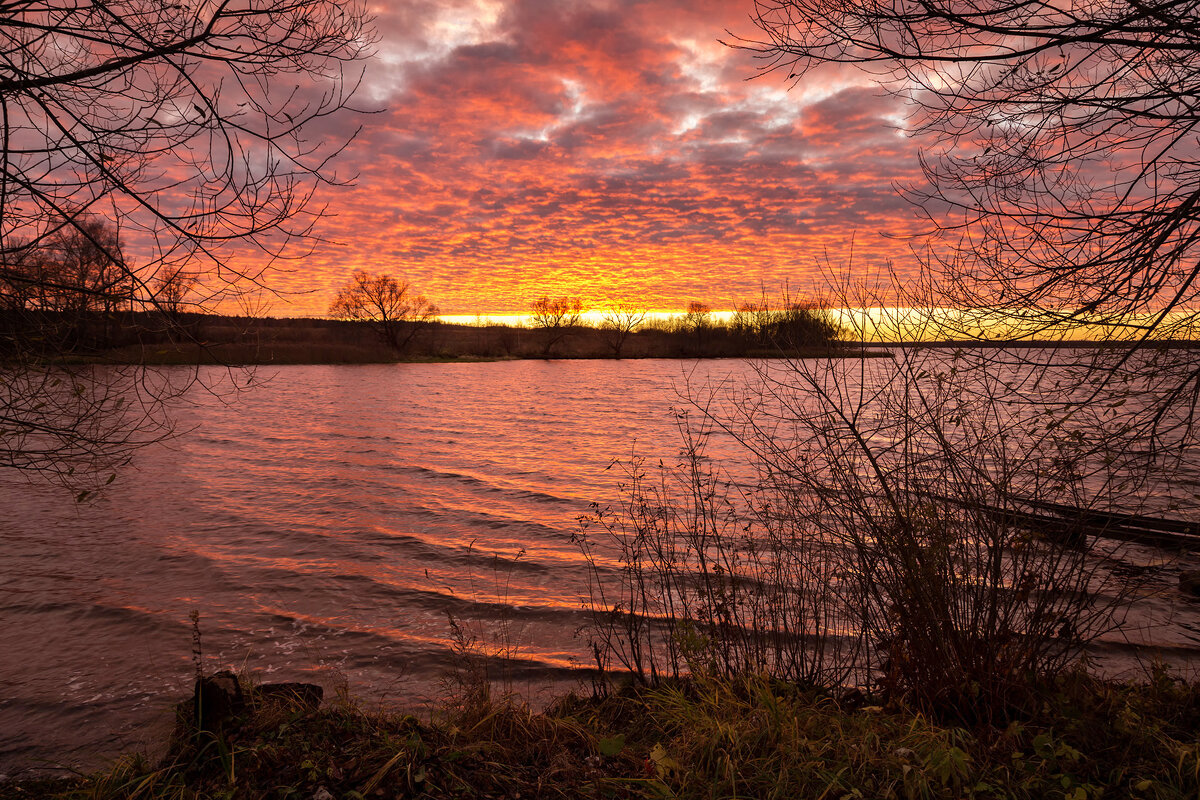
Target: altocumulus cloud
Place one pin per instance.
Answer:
(608, 148)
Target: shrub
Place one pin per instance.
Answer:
(885, 537)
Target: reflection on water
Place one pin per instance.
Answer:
(326, 527)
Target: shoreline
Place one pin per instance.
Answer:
(746, 736)
(220, 355)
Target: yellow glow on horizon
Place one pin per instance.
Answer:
(903, 324)
(592, 319)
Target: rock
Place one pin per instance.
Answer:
(216, 701)
(1189, 582)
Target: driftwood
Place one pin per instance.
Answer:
(1073, 524)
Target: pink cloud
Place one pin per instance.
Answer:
(602, 148)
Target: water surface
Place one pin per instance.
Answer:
(325, 526)
(328, 526)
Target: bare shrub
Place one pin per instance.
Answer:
(889, 534)
(696, 573)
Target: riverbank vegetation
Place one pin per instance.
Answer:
(700, 738)
(859, 609)
(140, 337)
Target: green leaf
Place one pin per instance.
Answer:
(612, 745)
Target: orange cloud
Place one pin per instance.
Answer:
(604, 148)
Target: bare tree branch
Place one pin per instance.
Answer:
(142, 139)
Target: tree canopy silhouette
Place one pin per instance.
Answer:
(619, 319)
(555, 316)
(143, 138)
(390, 304)
(1060, 151)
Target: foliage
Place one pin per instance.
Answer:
(398, 313)
(750, 737)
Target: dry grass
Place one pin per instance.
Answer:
(748, 738)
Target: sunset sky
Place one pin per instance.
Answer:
(612, 149)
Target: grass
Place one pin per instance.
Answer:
(701, 738)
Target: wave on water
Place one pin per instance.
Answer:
(328, 527)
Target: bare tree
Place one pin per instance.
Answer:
(556, 317)
(80, 268)
(1059, 145)
(188, 127)
(1061, 166)
(90, 272)
(618, 320)
(25, 279)
(697, 317)
(171, 288)
(397, 312)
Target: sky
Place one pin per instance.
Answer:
(611, 149)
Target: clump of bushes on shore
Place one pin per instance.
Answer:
(879, 532)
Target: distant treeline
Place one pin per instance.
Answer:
(155, 337)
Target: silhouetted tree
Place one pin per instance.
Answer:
(171, 288)
(1062, 167)
(788, 324)
(88, 268)
(1061, 200)
(556, 317)
(189, 128)
(618, 320)
(697, 317)
(751, 321)
(802, 324)
(25, 278)
(80, 268)
(397, 312)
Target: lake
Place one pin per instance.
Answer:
(327, 526)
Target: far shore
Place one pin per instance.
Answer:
(191, 339)
(194, 339)
(291, 354)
